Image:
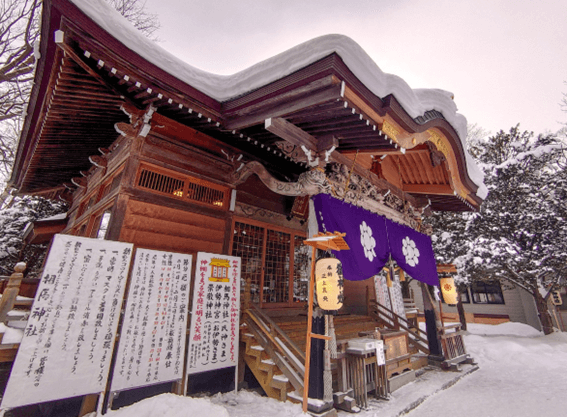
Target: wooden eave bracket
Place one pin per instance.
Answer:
(317, 150)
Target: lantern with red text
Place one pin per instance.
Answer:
(330, 283)
(448, 290)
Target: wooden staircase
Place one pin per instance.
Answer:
(275, 347)
(346, 327)
(391, 320)
(274, 383)
(273, 358)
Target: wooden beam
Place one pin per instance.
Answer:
(437, 189)
(389, 151)
(290, 133)
(327, 142)
(71, 53)
(307, 96)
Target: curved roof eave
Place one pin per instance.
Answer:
(222, 88)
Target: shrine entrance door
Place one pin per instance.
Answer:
(275, 260)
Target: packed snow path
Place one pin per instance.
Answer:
(522, 373)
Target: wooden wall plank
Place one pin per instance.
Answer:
(163, 228)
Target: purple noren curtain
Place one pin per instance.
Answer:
(372, 239)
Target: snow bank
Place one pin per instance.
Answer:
(249, 403)
(224, 87)
(503, 329)
(11, 335)
(522, 374)
(171, 405)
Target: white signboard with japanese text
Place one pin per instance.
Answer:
(380, 356)
(215, 313)
(69, 338)
(382, 293)
(152, 339)
(398, 298)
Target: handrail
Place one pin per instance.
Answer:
(451, 326)
(291, 366)
(398, 321)
(398, 318)
(281, 334)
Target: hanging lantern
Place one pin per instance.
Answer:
(388, 277)
(330, 283)
(448, 290)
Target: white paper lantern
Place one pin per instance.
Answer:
(329, 283)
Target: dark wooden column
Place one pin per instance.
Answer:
(432, 324)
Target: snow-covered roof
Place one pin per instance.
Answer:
(225, 87)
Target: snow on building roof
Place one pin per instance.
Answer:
(225, 87)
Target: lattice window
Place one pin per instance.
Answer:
(183, 187)
(197, 191)
(160, 182)
(248, 243)
(276, 262)
(276, 279)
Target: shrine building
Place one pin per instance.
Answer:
(149, 150)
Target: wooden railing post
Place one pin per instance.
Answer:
(247, 295)
(12, 290)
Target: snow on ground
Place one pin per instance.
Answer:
(522, 373)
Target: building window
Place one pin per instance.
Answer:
(183, 187)
(465, 297)
(487, 293)
(103, 225)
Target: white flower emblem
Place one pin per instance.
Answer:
(367, 241)
(410, 251)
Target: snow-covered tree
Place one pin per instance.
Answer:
(13, 221)
(519, 236)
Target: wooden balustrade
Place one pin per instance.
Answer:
(452, 341)
(11, 291)
(382, 314)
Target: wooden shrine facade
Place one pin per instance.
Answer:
(145, 156)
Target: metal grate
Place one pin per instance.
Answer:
(268, 257)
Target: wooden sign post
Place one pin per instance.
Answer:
(323, 241)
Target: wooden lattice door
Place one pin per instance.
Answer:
(276, 262)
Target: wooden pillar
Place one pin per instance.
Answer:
(12, 290)
(432, 323)
(461, 310)
(88, 405)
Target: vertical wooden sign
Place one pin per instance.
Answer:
(69, 338)
(152, 340)
(215, 315)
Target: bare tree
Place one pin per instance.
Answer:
(135, 12)
(19, 32)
